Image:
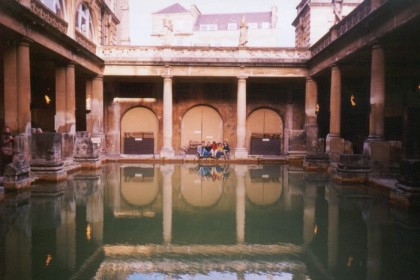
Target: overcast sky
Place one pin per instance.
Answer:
(141, 18)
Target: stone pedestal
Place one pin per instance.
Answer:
(85, 153)
(336, 146)
(47, 163)
(316, 162)
(352, 169)
(407, 189)
(378, 151)
(17, 174)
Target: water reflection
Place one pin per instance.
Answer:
(138, 221)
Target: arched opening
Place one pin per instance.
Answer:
(84, 21)
(139, 130)
(264, 129)
(201, 123)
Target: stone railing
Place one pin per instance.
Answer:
(47, 15)
(215, 55)
(348, 22)
(85, 42)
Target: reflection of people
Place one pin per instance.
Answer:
(213, 172)
(243, 32)
(6, 148)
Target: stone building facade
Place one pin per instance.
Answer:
(356, 86)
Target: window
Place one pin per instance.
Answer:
(232, 26)
(265, 25)
(57, 6)
(208, 27)
(84, 21)
(253, 25)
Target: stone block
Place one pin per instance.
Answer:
(46, 149)
(410, 173)
(377, 151)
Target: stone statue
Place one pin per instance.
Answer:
(169, 28)
(243, 35)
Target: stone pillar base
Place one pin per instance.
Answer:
(89, 163)
(241, 153)
(167, 152)
(378, 151)
(352, 169)
(335, 146)
(316, 162)
(405, 196)
(50, 176)
(16, 175)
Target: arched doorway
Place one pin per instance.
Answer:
(139, 131)
(264, 129)
(201, 123)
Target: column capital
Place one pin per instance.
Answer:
(334, 66)
(242, 77)
(98, 77)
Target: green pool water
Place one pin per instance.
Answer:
(140, 221)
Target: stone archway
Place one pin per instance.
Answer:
(264, 132)
(139, 127)
(201, 123)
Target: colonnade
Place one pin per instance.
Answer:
(17, 93)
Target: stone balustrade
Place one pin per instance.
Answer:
(197, 55)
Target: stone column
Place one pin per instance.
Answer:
(311, 126)
(240, 171)
(335, 145)
(375, 147)
(167, 149)
(24, 88)
(10, 87)
(288, 126)
(113, 137)
(70, 99)
(60, 99)
(97, 105)
(167, 171)
(377, 93)
(240, 150)
(335, 102)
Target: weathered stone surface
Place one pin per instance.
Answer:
(410, 173)
(46, 149)
(16, 174)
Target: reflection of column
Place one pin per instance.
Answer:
(10, 87)
(240, 151)
(240, 171)
(286, 188)
(167, 149)
(374, 259)
(95, 212)
(377, 93)
(24, 88)
(309, 213)
(18, 261)
(167, 171)
(60, 99)
(66, 233)
(333, 221)
(70, 99)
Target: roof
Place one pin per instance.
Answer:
(222, 20)
(173, 9)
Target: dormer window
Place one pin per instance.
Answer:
(84, 21)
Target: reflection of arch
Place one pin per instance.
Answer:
(139, 120)
(139, 186)
(263, 186)
(201, 123)
(264, 129)
(198, 191)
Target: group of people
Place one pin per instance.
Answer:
(213, 150)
